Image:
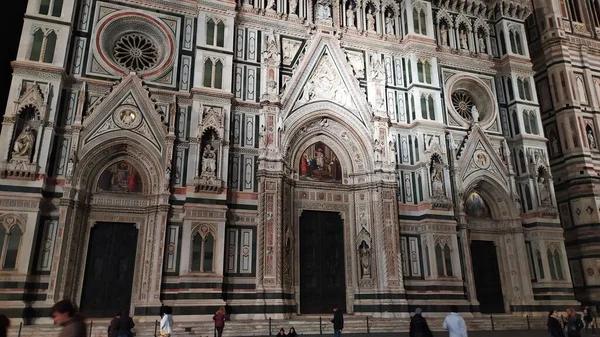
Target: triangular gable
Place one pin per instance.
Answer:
(32, 96)
(324, 75)
(107, 117)
(479, 154)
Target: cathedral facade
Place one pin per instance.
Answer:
(278, 158)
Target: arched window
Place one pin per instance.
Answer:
(515, 122)
(218, 75)
(527, 89)
(50, 46)
(412, 107)
(213, 74)
(526, 121)
(443, 259)
(208, 70)
(502, 43)
(520, 88)
(519, 43)
(527, 196)
(522, 162)
(417, 149)
(551, 265)
(595, 9)
(420, 187)
(427, 67)
(420, 71)
(221, 34)
(409, 69)
(43, 45)
(540, 264)
(558, 265)
(581, 90)
(419, 21)
(423, 22)
(509, 87)
(202, 253)
(431, 106)
(51, 6)
(574, 12)
(423, 107)
(533, 123)
(10, 241)
(210, 32)
(513, 43)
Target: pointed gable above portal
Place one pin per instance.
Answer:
(127, 107)
(325, 75)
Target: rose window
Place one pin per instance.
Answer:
(136, 52)
(463, 103)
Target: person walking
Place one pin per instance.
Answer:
(419, 326)
(125, 325)
(64, 314)
(166, 323)
(4, 325)
(455, 324)
(219, 319)
(589, 318)
(554, 327)
(113, 327)
(573, 324)
(338, 322)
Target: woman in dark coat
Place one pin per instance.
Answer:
(113, 328)
(125, 325)
(419, 326)
(281, 333)
(292, 332)
(554, 327)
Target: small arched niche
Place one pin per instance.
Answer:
(120, 177)
(319, 163)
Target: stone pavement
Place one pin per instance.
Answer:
(505, 333)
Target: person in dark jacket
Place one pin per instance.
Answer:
(589, 318)
(292, 332)
(419, 326)
(64, 314)
(125, 325)
(113, 327)
(219, 319)
(338, 322)
(573, 325)
(4, 324)
(554, 327)
(281, 333)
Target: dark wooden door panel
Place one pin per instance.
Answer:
(487, 277)
(322, 272)
(108, 277)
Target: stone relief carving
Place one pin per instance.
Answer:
(23, 145)
(326, 84)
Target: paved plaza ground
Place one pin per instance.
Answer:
(509, 333)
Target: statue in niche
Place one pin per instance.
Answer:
(475, 114)
(293, 6)
(270, 4)
(24, 143)
(209, 160)
(505, 150)
(168, 175)
(350, 17)
(378, 149)
(323, 11)
(271, 53)
(591, 138)
(544, 189)
(389, 24)
(370, 20)
(444, 34)
(554, 144)
(482, 46)
(437, 177)
(451, 142)
(365, 259)
(70, 165)
(464, 44)
(393, 150)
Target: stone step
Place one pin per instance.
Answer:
(304, 326)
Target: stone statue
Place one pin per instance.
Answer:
(475, 114)
(293, 6)
(350, 17)
(554, 143)
(168, 175)
(437, 180)
(378, 149)
(370, 21)
(482, 47)
(70, 165)
(451, 143)
(270, 4)
(444, 35)
(591, 139)
(271, 52)
(365, 260)
(464, 44)
(323, 11)
(505, 150)
(389, 24)
(24, 143)
(209, 160)
(393, 150)
(544, 191)
(377, 70)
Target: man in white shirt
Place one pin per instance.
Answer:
(455, 324)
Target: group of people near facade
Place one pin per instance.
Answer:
(65, 314)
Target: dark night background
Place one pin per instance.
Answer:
(12, 13)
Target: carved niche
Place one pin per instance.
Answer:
(211, 145)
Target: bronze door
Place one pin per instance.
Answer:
(322, 272)
(109, 269)
(487, 277)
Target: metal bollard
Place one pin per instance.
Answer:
(368, 327)
(91, 325)
(492, 319)
(320, 325)
(270, 326)
(528, 323)
(20, 327)
(155, 327)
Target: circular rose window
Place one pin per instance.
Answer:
(463, 103)
(136, 52)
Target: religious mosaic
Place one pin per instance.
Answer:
(319, 163)
(120, 177)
